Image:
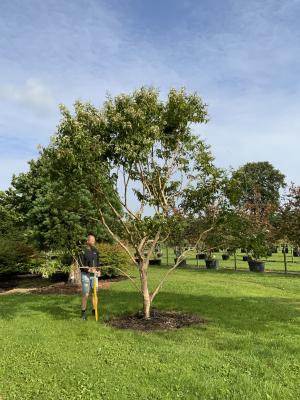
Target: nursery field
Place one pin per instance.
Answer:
(248, 348)
(273, 263)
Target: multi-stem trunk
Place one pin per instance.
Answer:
(145, 290)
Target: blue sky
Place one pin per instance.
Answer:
(242, 57)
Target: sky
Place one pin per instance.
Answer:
(241, 57)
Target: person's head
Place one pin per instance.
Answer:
(91, 240)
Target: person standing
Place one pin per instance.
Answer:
(89, 261)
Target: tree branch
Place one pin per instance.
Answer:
(115, 236)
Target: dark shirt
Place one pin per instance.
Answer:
(88, 258)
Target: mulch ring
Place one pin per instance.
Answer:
(160, 321)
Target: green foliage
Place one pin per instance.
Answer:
(254, 193)
(16, 255)
(258, 244)
(114, 259)
(252, 233)
(9, 219)
(141, 141)
(253, 182)
(287, 220)
(152, 144)
(57, 215)
(51, 263)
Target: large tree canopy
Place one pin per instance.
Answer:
(256, 182)
(138, 152)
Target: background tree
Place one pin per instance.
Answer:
(255, 184)
(254, 194)
(55, 214)
(10, 220)
(16, 254)
(287, 219)
(206, 204)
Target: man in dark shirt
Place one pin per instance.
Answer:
(88, 261)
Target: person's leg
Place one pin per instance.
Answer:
(84, 300)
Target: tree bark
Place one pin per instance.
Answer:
(145, 291)
(74, 277)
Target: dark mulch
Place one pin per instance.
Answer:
(28, 283)
(65, 288)
(160, 321)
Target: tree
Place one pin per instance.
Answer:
(255, 183)
(55, 215)
(16, 254)
(254, 194)
(287, 219)
(206, 205)
(146, 147)
(9, 218)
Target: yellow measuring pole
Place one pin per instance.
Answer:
(95, 297)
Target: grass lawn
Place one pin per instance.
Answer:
(249, 348)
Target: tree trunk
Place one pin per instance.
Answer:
(74, 277)
(145, 290)
(285, 263)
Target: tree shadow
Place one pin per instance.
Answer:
(240, 314)
(230, 270)
(57, 306)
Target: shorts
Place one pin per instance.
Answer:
(87, 281)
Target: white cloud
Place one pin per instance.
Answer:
(245, 67)
(33, 95)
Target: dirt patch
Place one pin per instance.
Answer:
(160, 321)
(65, 288)
(37, 284)
(57, 288)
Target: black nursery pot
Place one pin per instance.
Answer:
(225, 256)
(181, 264)
(245, 258)
(211, 264)
(155, 261)
(256, 266)
(296, 253)
(59, 277)
(200, 256)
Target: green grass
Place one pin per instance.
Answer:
(249, 349)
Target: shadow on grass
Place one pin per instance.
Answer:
(237, 313)
(231, 271)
